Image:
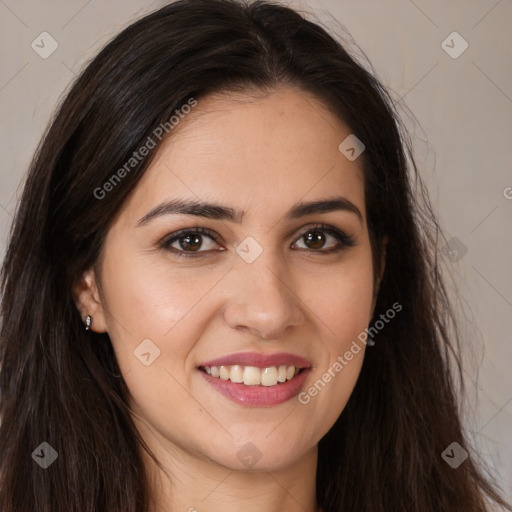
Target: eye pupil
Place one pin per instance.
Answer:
(317, 238)
(196, 244)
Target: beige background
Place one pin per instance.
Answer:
(462, 126)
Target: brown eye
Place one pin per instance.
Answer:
(192, 242)
(188, 242)
(316, 237)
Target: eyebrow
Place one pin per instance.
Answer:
(219, 212)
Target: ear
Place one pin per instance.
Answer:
(378, 278)
(88, 301)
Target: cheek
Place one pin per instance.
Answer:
(349, 313)
(342, 306)
(342, 299)
(153, 316)
(147, 296)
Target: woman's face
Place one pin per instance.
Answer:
(256, 284)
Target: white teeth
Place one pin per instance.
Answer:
(252, 375)
(237, 374)
(269, 376)
(224, 373)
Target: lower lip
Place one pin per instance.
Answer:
(258, 396)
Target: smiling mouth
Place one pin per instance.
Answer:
(252, 375)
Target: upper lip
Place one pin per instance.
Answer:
(259, 360)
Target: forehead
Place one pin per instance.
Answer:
(257, 152)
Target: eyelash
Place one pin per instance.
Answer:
(345, 241)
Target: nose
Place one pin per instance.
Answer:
(264, 303)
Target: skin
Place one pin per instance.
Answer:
(260, 153)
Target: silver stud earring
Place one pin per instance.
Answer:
(88, 322)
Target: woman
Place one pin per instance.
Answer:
(220, 290)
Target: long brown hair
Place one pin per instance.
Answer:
(61, 385)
